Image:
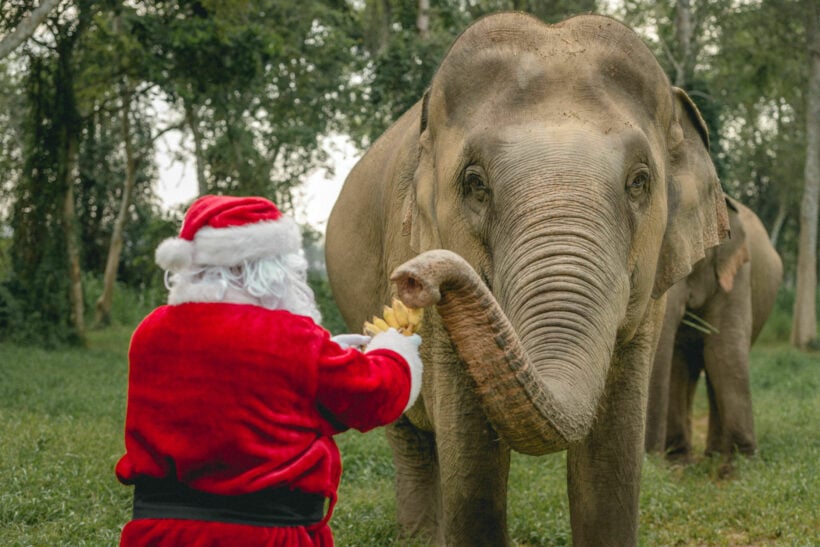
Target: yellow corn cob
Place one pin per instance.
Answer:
(398, 316)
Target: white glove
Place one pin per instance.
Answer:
(408, 348)
(415, 339)
(350, 340)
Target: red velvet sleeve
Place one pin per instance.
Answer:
(361, 390)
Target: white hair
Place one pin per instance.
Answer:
(277, 283)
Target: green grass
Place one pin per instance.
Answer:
(770, 499)
(62, 412)
(61, 422)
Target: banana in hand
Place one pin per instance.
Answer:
(398, 316)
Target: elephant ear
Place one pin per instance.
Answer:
(733, 253)
(697, 217)
(419, 220)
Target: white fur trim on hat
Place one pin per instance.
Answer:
(174, 254)
(407, 347)
(230, 246)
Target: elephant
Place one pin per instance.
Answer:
(562, 185)
(733, 290)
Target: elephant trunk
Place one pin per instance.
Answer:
(540, 399)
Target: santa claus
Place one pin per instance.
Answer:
(235, 391)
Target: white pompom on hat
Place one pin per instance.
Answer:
(227, 230)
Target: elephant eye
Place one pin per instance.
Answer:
(638, 183)
(476, 196)
(475, 184)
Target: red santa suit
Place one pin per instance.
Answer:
(231, 412)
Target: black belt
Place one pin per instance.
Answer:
(169, 499)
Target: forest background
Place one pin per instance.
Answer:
(88, 90)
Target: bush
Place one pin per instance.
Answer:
(778, 327)
(23, 322)
(331, 316)
(130, 304)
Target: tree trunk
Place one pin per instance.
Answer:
(779, 221)
(69, 120)
(804, 327)
(377, 22)
(193, 122)
(26, 27)
(423, 20)
(72, 247)
(683, 35)
(103, 304)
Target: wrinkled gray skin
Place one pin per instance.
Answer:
(733, 289)
(573, 186)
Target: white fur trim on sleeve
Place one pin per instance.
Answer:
(405, 347)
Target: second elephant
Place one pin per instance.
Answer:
(733, 290)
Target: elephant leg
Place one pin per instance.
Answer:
(714, 434)
(658, 407)
(603, 476)
(474, 465)
(659, 386)
(726, 357)
(417, 486)
(687, 363)
(474, 473)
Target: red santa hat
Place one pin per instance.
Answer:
(226, 230)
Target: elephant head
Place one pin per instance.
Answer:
(576, 185)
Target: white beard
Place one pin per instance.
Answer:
(298, 297)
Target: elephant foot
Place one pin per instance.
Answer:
(680, 459)
(679, 453)
(726, 470)
(744, 449)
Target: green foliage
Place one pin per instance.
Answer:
(331, 316)
(553, 11)
(747, 73)
(779, 324)
(258, 80)
(62, 415)
(762, 77)
(130, 304)
(5, 267)
(777, 329)
(317, 279)
(146, 230)
(399, 62)
(12, 99)
(37, 288)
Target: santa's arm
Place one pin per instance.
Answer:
(370, 389)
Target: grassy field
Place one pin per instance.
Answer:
(61, 419)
